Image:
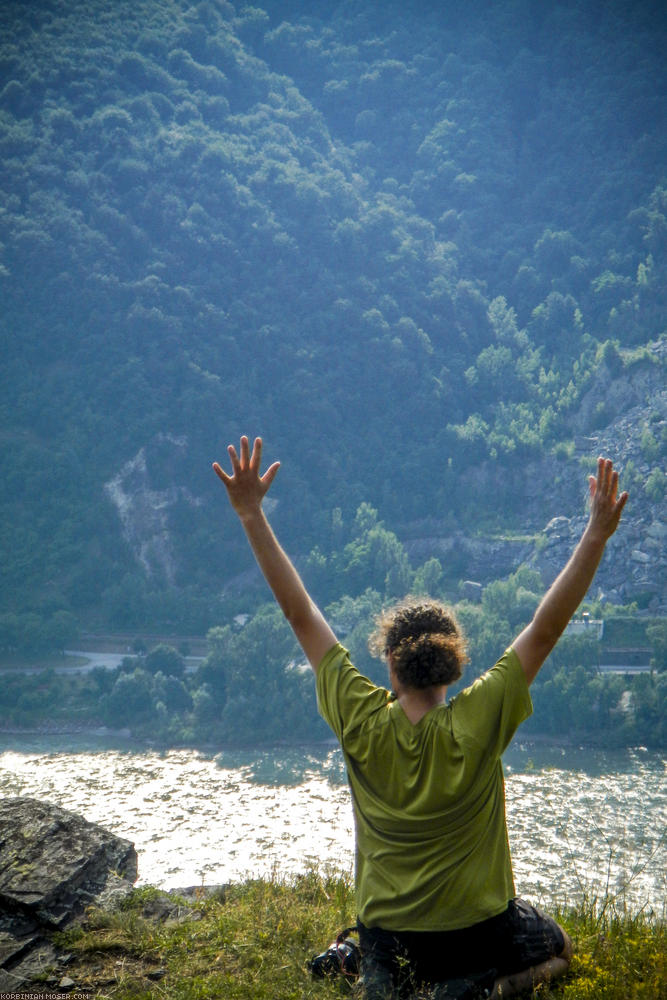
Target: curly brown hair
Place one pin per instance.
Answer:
(425, 640)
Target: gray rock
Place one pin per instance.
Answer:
(53, 864)
(481, 559)
(39, 955)
(116, 890)
(559, 525)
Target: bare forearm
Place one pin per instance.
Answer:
(558, 605)
(246, 489)
(569, 588)
(307, 621)
(278, 570)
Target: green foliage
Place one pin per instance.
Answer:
(232, 697)
(165, 659)
(656, 486)
(427, 578)
(207, 227)
(29, 632)
(129, 702)
(514, 599)
(375, 555)
(657, 636)
(186, 187)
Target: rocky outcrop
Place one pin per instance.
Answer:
(630, 409)
(634, 567)
(53, 864)
(482, 559)
(622, 415)
(144, 511)
(628, 395)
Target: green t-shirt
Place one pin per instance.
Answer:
(429, 799)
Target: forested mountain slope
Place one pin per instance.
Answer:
(413, 245)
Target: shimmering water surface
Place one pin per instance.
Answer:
(580, 821)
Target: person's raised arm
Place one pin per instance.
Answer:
(568, 590)
(246, 489)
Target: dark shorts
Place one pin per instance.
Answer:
(521, 937)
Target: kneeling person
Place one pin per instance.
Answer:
(436, 897)
(435, 892)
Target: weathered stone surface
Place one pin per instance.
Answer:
(53, 864)
(17, 975)
(481, 559)
(558, 525)
(553, 496)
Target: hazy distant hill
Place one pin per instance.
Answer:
(402, 241)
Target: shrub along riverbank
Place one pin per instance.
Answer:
(221, 699)
(252, 941)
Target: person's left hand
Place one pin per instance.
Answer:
(606, 505)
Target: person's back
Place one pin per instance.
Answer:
(428, 797)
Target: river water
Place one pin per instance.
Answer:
(581, 822)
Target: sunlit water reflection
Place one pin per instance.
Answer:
(580, 821)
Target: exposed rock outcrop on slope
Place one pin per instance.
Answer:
(53, 864)
(622, 415)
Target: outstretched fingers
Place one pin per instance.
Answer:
(246, 469)
(236, 465)
(606, 482)
(256, 457)
(620, 503)
(270, 474)
(221, 474)
(606, 504)
(234, 458)
(255, 463)
(605, 474)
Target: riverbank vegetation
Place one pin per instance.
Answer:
(228, 697)
(253, 662)
(252, 941)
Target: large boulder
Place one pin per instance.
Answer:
(53, 864)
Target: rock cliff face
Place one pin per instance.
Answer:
(480, 558)
(634, 567)
(144, 511)
(53, 864)
(622, 415)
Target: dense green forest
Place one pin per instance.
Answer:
(419, 247)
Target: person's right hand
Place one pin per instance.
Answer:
(245, 487)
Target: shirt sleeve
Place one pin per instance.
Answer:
(489, 712)
(345, 698)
